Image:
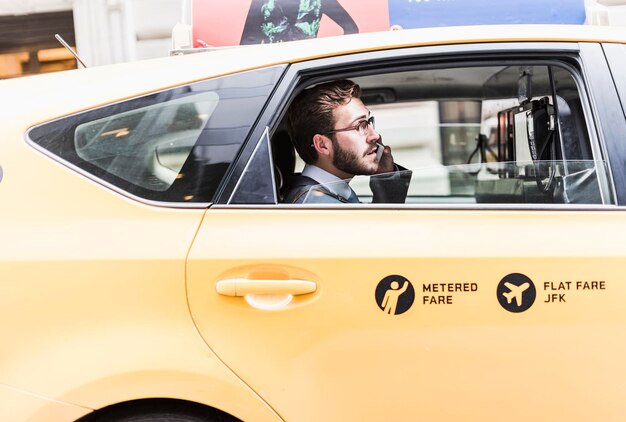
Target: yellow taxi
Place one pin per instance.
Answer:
(150, 269)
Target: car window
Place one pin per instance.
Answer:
(503, 133)
(149, 145)
(173, 146)
(256, 185)
(560, 182)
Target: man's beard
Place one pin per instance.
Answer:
(348, 161)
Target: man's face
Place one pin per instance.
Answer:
(353, 154)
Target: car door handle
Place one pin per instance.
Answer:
(243, 286)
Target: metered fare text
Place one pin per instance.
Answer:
(441, 293)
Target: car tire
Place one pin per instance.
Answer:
(159, 411)
(163, 417)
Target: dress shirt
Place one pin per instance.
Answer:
(330, 182)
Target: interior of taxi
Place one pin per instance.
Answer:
(502, 133)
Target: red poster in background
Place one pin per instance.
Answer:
(221, 23)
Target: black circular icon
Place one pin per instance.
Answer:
(516, 292)
(395, 295)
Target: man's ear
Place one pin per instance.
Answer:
(322, 144)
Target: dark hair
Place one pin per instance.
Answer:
(311, 113)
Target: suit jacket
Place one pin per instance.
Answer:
(387, 189)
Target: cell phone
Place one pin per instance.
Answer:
(379, 151)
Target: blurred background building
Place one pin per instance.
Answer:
(113, 31)
(102, 31)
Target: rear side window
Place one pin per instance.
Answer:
(173, 146)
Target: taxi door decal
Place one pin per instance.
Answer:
(395, 295)
(516, 292)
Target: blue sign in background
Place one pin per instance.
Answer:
(429, 13)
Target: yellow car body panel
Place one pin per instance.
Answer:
(429, 362)
(20, 405)
(93, 297)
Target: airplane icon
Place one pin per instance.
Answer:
(515, 292)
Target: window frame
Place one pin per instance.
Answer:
(68, 124)
(616, 56)
(298, 75)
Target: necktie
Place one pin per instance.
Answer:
(353, 199)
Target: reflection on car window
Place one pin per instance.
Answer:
(556, 182)
(173, 146)
(147, 146)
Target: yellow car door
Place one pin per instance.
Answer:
(447, 343)
(364, 313)
(485, 306)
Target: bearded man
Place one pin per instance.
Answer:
(334, 133)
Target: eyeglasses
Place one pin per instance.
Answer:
(362, 127)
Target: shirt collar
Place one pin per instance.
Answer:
(331, 182)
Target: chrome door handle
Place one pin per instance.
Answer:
(243, 286)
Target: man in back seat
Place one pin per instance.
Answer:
(334, 134)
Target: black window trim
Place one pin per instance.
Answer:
(616, 56)
(603, 100)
